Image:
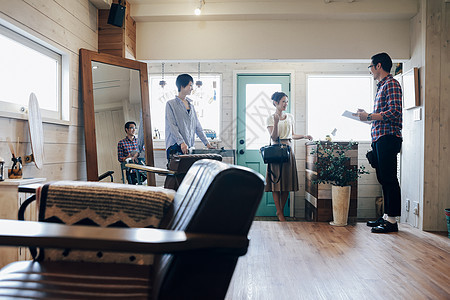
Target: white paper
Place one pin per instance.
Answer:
(350, 115)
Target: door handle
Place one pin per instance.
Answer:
(241, 142)
(241, 151)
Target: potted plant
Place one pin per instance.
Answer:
(333, 167)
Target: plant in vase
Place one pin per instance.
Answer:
(333, 167)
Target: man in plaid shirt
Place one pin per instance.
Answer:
(386, 134)
(127, 148)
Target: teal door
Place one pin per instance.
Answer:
(253, 107)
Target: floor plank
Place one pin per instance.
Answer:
(307, 260)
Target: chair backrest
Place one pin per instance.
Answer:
(180, 164)
(141, 175)
(103, 205)
(213, 198)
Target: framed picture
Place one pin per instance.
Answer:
(411, 96)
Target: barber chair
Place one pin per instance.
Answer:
(140, 176)
(199, 239)
(106, 174)
(177, 168)
(180, 165)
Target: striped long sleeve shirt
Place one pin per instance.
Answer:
(181, 124)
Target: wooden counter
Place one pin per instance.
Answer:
(10, 201)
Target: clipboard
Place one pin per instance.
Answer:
(349, 114)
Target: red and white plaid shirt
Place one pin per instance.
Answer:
(388, 103)
(125, 147)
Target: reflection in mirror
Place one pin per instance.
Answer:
(117, 100)
(115, 90)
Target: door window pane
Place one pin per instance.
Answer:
(258, 107)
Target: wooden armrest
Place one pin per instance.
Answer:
(135, 240)
(150, 169)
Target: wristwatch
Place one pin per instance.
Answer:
(369, 117)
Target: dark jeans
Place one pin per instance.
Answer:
(131, 177)
(386, 149)
(174, 149)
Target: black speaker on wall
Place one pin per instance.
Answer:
(116, 15)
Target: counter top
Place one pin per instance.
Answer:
(22, 181)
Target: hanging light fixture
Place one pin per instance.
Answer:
(198, 83)
(162, 83)
(198, 10)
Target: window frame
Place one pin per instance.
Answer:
(337, 75)
(48, 48)
(157, 76)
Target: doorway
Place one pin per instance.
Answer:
(254, 105)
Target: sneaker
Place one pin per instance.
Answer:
(377, 222)
(386, 227)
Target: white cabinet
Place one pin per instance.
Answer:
(10, 201)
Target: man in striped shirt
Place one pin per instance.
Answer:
(386, 134)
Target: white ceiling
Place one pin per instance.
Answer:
(112, 85)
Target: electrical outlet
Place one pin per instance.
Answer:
(407, 204)
(418, 114)
(416, 208)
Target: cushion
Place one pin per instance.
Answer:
(104, 205)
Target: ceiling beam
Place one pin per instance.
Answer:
(224, 10)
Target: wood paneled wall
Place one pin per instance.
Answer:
(68, 25)
(109, 131)
(437, 115)
(119, 41)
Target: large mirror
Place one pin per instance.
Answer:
(115, 90)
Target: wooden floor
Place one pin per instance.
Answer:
(307, 260)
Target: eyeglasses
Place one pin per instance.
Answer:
(370, 66)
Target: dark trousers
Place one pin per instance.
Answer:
(131, 177)
(386, 149)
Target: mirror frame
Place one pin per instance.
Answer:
(86, 59)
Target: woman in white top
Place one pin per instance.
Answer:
(281, 129)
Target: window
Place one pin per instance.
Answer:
(206, 100)
(329, 96)
(30, 66)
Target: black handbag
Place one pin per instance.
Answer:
(277, 153)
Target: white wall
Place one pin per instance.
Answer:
(426, 156)
(368, 188)
(68, 25)
(413, 130)
(272, 39)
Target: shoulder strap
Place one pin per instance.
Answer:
(271, 174)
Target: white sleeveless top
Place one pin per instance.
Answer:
(284, 126)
